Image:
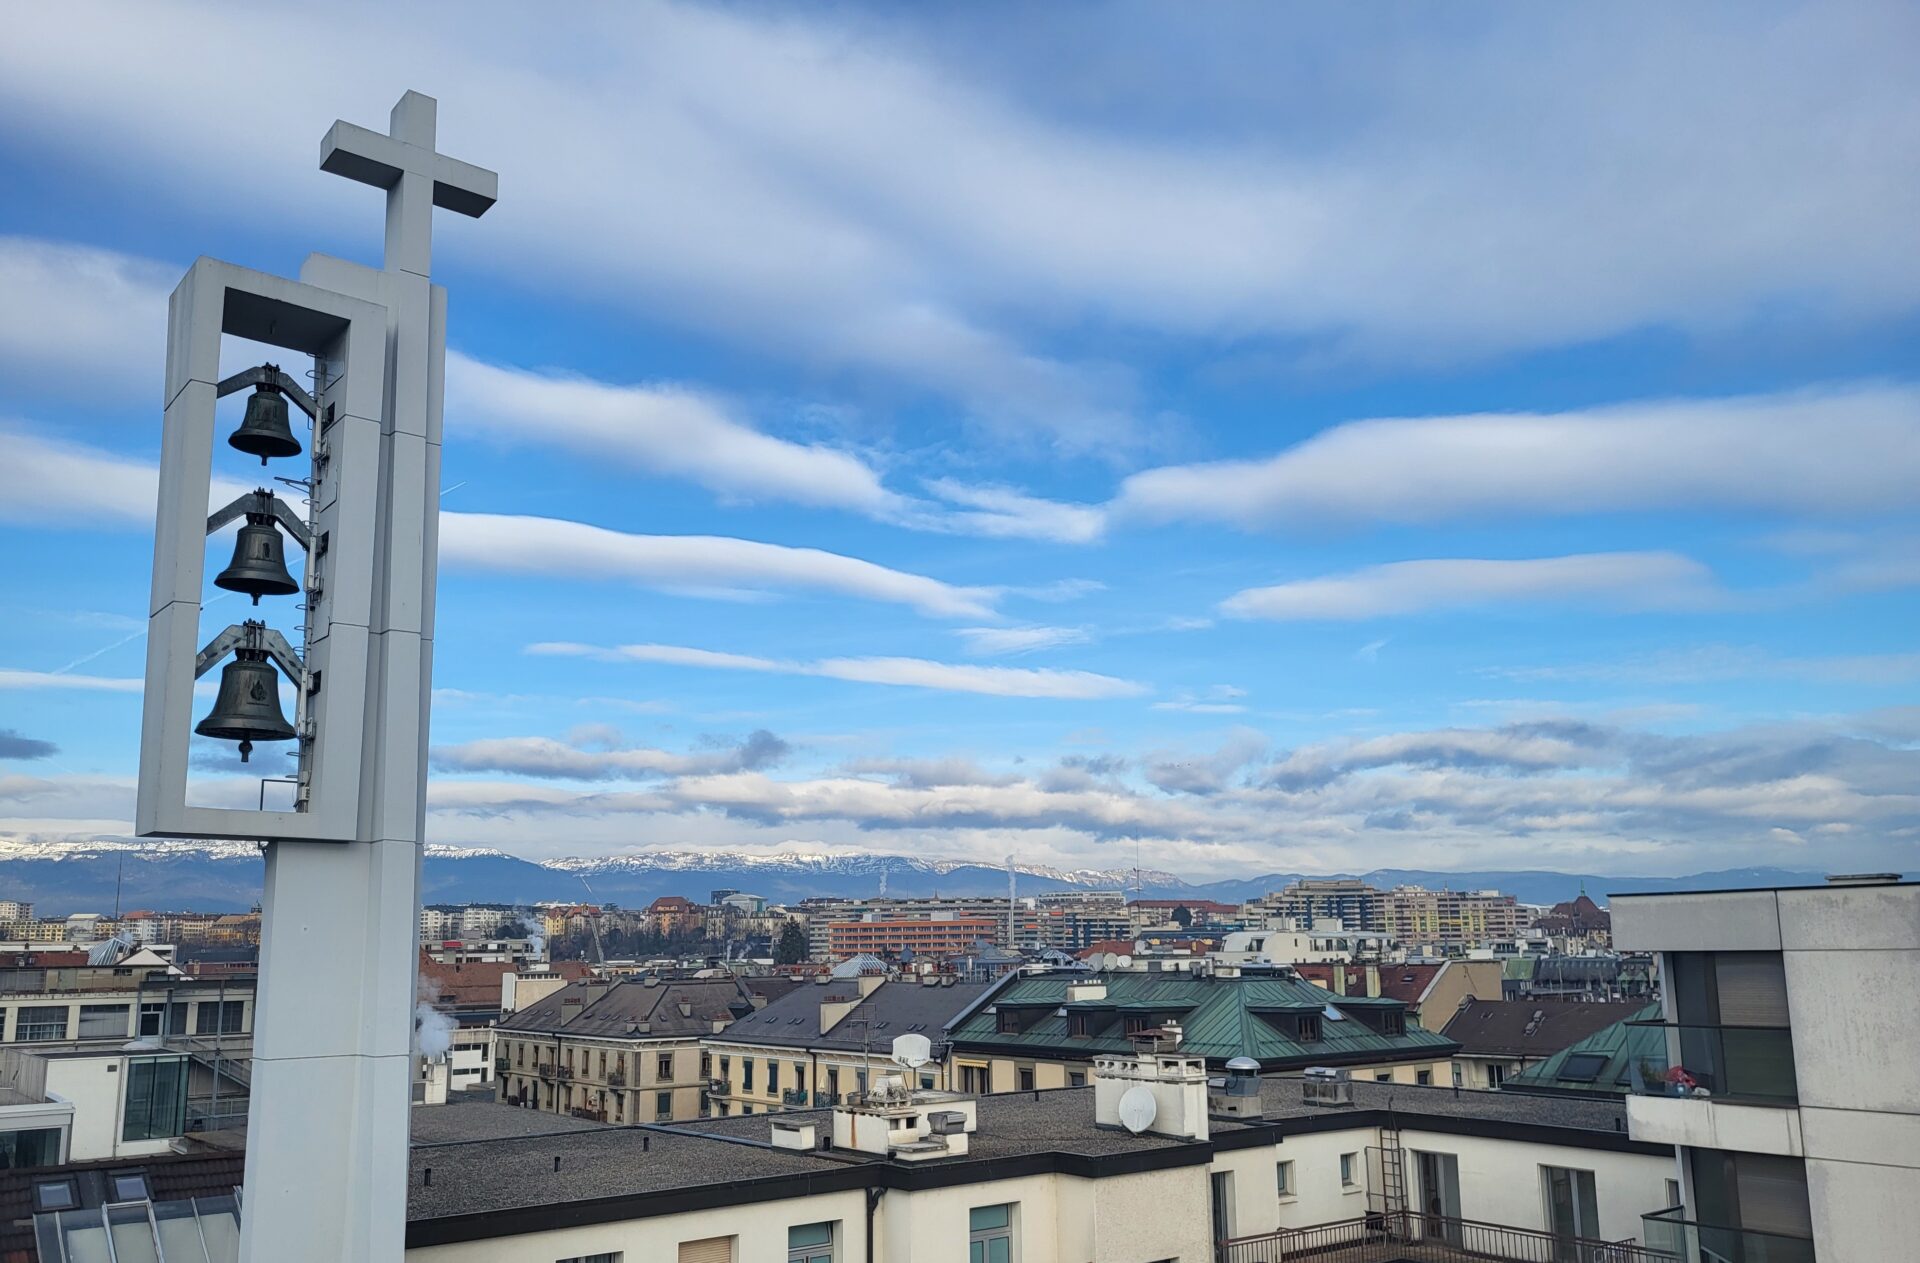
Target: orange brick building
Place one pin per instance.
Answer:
(952, 935)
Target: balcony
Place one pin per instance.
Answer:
(794, 1097)
(1746, 1064)
(616, 1078)
(1679, 1238)
(1404, 1236)
(546, 1069)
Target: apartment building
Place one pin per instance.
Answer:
(1792, 1097)
(1347, 900)
(1449, 921)
(1070, 927)
(57, 997)
(822, 913)
(823, 1042)
(617, 1050)
(941, 934)
(1034, 1031)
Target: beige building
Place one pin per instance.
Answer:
(1449, 920)
(617, 1050)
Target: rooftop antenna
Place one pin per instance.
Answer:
(593, 923)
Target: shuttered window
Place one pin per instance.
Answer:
(1773, 1194)
(1753, 988)
(709, 1250)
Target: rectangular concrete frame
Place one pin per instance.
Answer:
(350, 334)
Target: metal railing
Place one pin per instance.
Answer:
(1682, 1239)
(794, 1096)
(1405, 1236)
(1744, 1063)
(616, 1078)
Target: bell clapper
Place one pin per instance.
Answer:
(246, 748)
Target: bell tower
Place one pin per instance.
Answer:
(332, 1070)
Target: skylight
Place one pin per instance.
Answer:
(1333, 1014)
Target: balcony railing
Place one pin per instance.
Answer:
(1405, 1236)
(1741, 1063)
(616, 1078)
(794, 1096)
(1680, 1238)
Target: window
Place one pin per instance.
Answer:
(611, 1256)
(746, 1074)
(1423, 1077)
(222, 1016)
(1496, 1074)
(1283, 1178)
(773, 1077)
(710, 1250)
(1076, 1078)
(1006, 1022)
(1383, 1076)
(104, 1021)
(1221, 1186)
(128, 1186)
(663, 1068)
(156, 1098)
(55, 1195)
(973, 1080)
(177, 1018)
(1573, 1210)
(1582, 1067)
(663, 1104)
(1348, 1162)
(37, 1147)
(40, 1021)
(810, 1243)
(152, 1018)
(1307, 1028)
(1026, 1078)
(990, 1234)
(1394, 1023)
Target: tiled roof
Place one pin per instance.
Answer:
(476, 984)
(1531, 1028)
(1405, 983)
(613, 1010)
(1220, 1018)
(1621, 1045)
(897, 1007)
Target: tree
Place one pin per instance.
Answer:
(1183, 917)
(792, 947)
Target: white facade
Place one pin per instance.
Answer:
(1849, 956)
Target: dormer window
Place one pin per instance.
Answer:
(1307, 1028)
(1006, 1022)
(1077, 1025)
(1393, 1023)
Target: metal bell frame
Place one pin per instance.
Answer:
(255, 646)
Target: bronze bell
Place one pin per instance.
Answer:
(247, 708)
(259, 565)
(264, 430)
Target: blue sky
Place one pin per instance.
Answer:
(1278, 439)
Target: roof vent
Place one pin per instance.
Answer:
(1323, 1085)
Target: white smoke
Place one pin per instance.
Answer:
(432, 1029)
(534, 930)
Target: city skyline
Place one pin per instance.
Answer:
(930, 455)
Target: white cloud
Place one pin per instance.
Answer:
(999, 641)
(767, 176)
(84, 320)
(1708, 663)
(1613, 580)
(49, 680)
(69, 484)
(1843, 450)
(554, 546)
(908, 672)
(588, 756)
(1007, 513)
(667, 429)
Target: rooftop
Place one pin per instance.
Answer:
(1532, 1028)
(897, 1007)
(1220, 1017)
(633, 1008)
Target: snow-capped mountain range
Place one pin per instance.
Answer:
(62, 876)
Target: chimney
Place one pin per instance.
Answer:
(686, 1010)
(1176, 1082)
(1089, 989)
(570, 1008)
(1237, 1095)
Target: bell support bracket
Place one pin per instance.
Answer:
(240, 636)
(266, 504)
(268, 375)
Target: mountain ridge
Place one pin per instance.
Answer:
(63, 877)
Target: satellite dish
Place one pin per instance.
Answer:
(912, 1051)
(1123, 962)
(1138, 1109)
(1109, 960)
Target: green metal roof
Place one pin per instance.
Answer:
(1623, 1046)
(1517, 968)
(1218, 1018)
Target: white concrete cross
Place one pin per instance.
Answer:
(416, 178)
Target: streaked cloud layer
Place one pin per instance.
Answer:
(1277, 438)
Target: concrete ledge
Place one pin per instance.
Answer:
(1705, 1123)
